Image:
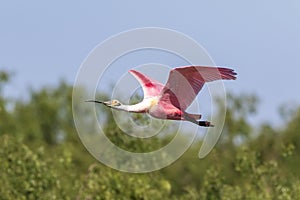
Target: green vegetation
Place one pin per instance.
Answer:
(41, 156)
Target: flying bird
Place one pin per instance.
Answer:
(170, 101)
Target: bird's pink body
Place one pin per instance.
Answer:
(171, 100)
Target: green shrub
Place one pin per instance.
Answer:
(26, 174)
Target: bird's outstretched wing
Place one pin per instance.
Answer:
(150, 87)
(184, 83)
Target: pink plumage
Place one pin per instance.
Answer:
(150, 87)
(185, 83)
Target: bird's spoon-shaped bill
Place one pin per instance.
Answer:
(94, 101)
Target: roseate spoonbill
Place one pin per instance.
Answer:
(171, 100)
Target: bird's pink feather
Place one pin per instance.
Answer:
(151, 88)
(182, 87)
(184, 83)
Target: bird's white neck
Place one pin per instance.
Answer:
(140, 107)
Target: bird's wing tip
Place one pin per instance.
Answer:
(132, 71)
(228, 72)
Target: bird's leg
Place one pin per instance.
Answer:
(205, 123)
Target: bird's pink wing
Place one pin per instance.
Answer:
(150, 87)
(184, 83)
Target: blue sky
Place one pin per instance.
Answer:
(43, 42)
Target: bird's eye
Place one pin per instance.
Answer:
(115, 102)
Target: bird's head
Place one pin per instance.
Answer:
(112, 104)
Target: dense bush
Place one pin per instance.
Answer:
(41, 156)
(28, 174)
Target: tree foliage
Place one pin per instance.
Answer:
(41, 156)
